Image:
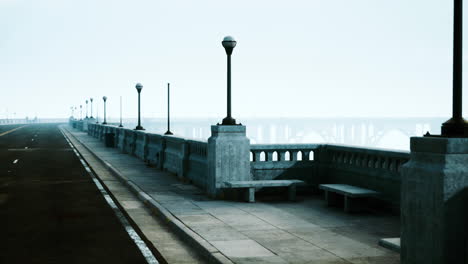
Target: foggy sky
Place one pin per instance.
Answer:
(310, 58)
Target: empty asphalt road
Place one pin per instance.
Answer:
(50, 208)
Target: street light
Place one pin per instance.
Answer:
(139, 87)
(91, 99)
(229, 43)
(168, 132)
(81, 112)
(104, 98)
(457, 126)
(86, 109)
(120, 112)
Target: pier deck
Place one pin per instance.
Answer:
(50, 209)
(269, 231)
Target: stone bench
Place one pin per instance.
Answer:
(250, 187)
(349, 193)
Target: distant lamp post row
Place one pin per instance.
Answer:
(228, 43)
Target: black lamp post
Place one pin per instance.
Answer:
(229, 43)
(168, 132)
(139, 87)
(81, 112)
(457, 126)
(120, 112)
(91, 99)
(86, 109)
(104, 98)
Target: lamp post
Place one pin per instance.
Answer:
(229, 43)
(72, 113)
(91, 99)
(97, 112)
(81, 112)
(120, 112)
(139, 87)
(168, 132)
(457, 126)
(104, 98)
(86, 109)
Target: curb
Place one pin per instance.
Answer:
(204, 247)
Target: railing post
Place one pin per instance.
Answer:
(228, 157)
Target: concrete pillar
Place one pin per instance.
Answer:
(228, 157)
(434, 202)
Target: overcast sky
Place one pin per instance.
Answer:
(309, 58)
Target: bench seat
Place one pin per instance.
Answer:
(251, 186)
(348, 191)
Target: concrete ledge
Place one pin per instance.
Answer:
(210, 252)
(390, 243)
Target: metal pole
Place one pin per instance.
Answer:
(229, 86)
(120, 112)
(91, 107)
(457, 126)
(457, 58)
(139, 120)
(168, 132)
(104, 113)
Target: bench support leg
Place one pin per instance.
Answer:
(348, 202)
(250, 195)
(331, 198)
(292, 192)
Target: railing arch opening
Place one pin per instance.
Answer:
(275, 156)
(299, 155)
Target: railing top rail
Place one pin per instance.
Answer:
(371, 151)
(196, 141)
(284, 146)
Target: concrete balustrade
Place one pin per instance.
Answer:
(129, 141)
(197, 163)
(155, 146)
(175, 155)
(140, 144)
(373, 169)
(315, 164)
(285, 161)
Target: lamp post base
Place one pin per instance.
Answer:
(120, 125)
(104, 123)
(168, 133)
(228, 121)
(139, 128)
(455, 127)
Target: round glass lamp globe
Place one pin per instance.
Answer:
(229, 42)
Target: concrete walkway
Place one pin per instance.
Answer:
(306, 231)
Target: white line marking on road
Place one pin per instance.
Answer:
(15, 161)
(32, 139)
(145, 251)
(25, 147)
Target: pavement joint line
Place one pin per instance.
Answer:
(10, 131)
(184, 231)
(145, 251)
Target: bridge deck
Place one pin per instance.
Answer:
(50, 209)
(269, 231)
